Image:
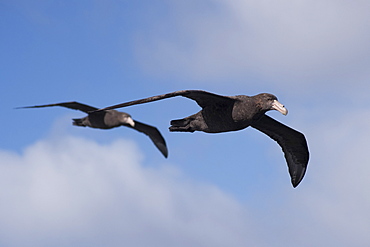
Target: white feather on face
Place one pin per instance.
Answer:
(128, 120)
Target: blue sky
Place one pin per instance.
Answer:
(66, 186)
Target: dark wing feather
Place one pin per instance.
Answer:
(203, 98)
(153, 134)
(292, 142)
(71, 105)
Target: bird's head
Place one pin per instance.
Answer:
(126, 119)
(269, 102)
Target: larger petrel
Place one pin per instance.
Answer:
(110, 119)
(231, 113)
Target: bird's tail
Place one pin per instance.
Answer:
(181, 125)
(78, 122)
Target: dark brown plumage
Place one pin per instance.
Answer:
(110, 119)
(231, 113)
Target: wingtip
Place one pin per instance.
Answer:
(21, 107)
(296, 180)
(165, 152)
(163, 149)
(295, 184)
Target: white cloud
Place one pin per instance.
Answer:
(74, 192)
(274, 40)
(338, 196)
(71, 191)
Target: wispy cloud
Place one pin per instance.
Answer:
(302, 42)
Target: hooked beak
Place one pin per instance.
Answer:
(276, 105)
(130, 121)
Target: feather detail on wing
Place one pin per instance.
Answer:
(292, 142)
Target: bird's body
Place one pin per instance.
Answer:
(232, 113)
(104, 120)
(111, 119)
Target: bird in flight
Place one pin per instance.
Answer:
(231, 113)
(109, 119)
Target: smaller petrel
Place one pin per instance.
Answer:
(230, 113)
(110, 119)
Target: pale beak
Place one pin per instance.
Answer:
(130, 121)
(276, 105)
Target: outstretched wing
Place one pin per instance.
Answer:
(71, 105)
(153, 134)
(203, 98)
(292, 142)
